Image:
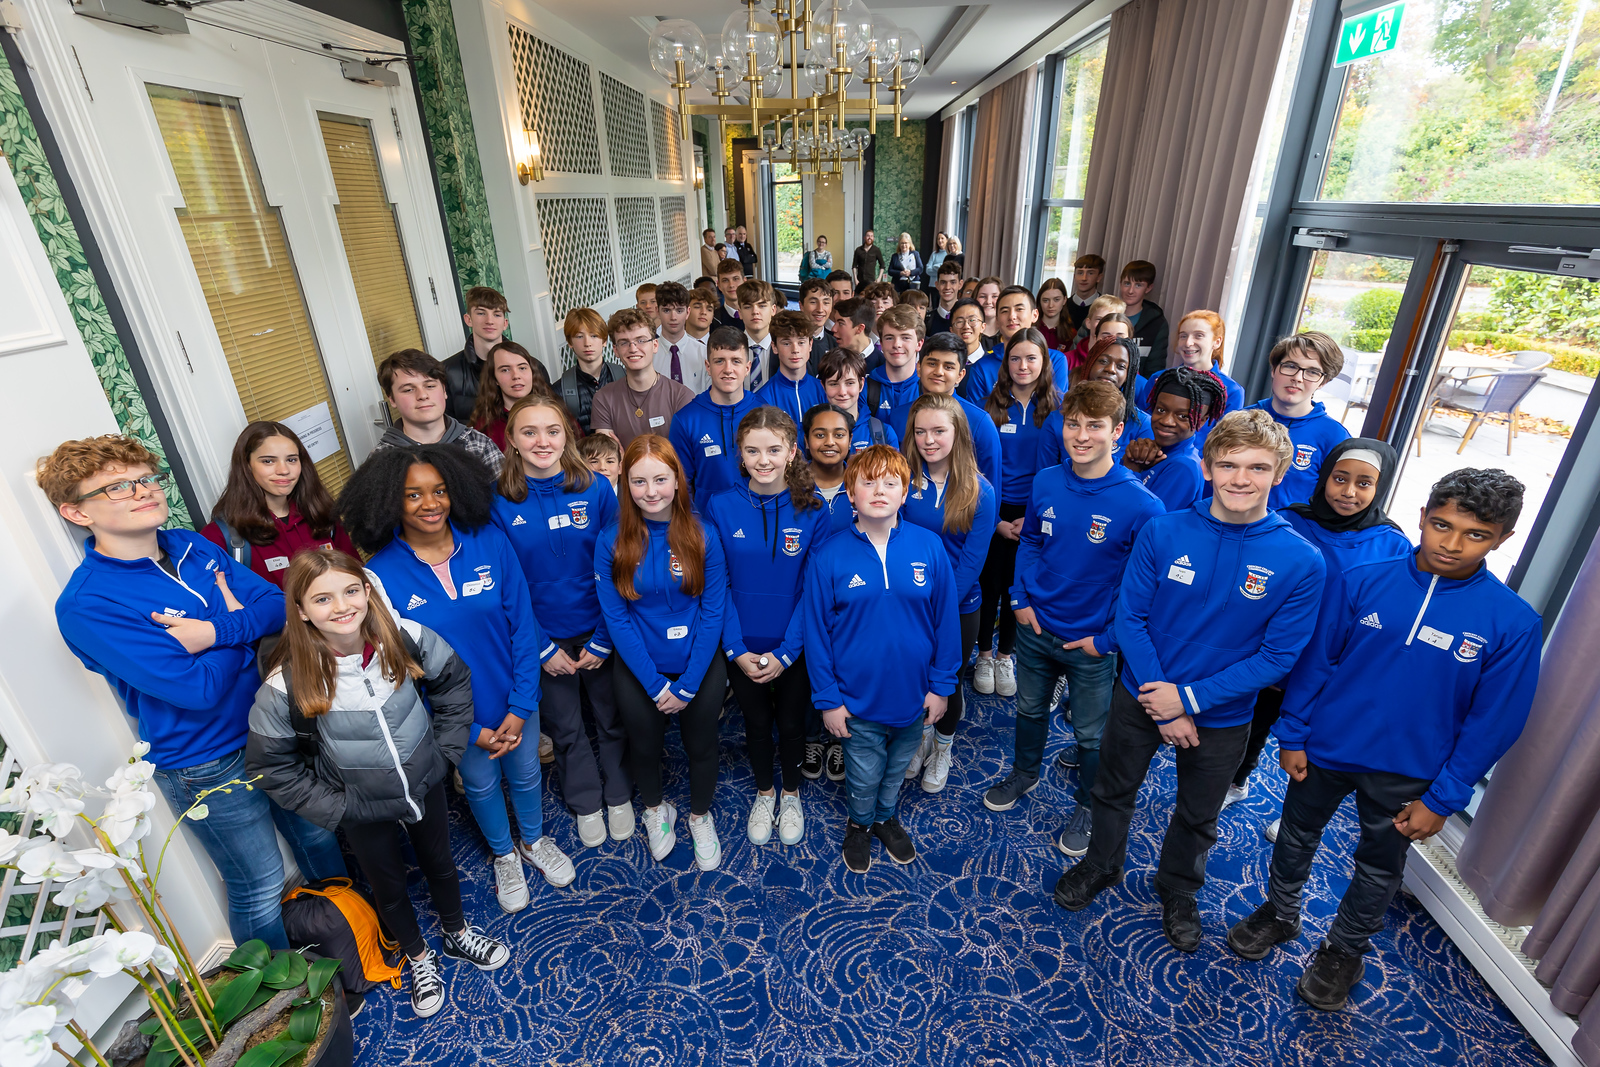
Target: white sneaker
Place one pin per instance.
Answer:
(619, 820)
(1235, 794)
(547, 749)
(546, 856)
(762, 814)
(592, 829)
(791, 821)
(510, 885)
(922, 755)
(937, 772)
(1005, 676)
(658, 823)
(707, 849)
(1270, 831)
(983, 675)
(461, 788)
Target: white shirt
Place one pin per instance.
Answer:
(760, 352)
(691, 360)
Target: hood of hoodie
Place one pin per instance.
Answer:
(394, 435)
(1117, 475)
(1291, 421)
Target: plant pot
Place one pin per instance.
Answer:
(335, 1048)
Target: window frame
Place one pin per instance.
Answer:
(1048, 141)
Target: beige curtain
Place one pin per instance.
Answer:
(996, 226)
(1181, 105)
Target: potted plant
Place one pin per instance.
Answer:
(259, 1009)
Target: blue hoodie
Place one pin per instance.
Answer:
(967, 549)
(794, 399)
(1217, 609)
(1344, 549)
(489, 622)
(1312, 435)
(861, 436)
(191, 708)
(765, 543)
(1050, 447)
(890, 394)
(1440, 680)
(1021, 437)
(665, 631)
(1179, 479)
(553, 534)
(881, 634)
(985, 438)
(705, 435)
(1076, 537)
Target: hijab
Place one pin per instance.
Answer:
(1319, 511)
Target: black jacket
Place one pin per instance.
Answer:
(747, 257)
(1151, 332)
(461, 373)
(915, 281)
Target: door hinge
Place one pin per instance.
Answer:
(434, 290)
(395, 115)
(185, 350)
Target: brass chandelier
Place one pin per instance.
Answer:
(815, 57)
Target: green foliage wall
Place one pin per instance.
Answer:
(897, 182)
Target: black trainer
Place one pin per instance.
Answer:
(1067, 759)
(1180, 921)
(1254, 937)
(896, 842)
(811, 766)
(1004, 794)
(857, 847)
(835, 762)
(1077, 889)
(477, 948)
(1073, 841)
(1333, 973)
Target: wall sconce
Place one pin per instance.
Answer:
(699, 176)
(530, 167)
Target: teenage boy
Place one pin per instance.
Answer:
(746, 252)
(705, 431)
(644, 401)
(842, 376)
(916, 300)
(1301, 364)
(1080, 526)
(1014, 310)
(793, 389)
(644, 298)
(1419, 679)
(730, 275)
(1149, 321)
(486, 318)
(948, 285)
(702, 311)
(414, 384)
(709, 256)
(881, 296)
(895, 382)
(941, 367)
(171, 620)
(866, 265)
(1217, 601)
(585, 332)
(841, 285)
(1168, 462)
(757, 304)
(853, 321)
(883, 647)
(816, 300)
(1088, 271)
(678, 355)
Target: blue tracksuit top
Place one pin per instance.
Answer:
(766, 544)
(553, 534)
(881, 634)
(1312, 436)
(890, 394)
(985, 438)
(665, 631)
(982, 375)
(1051, 452)
(1440, 679)
(967, 549)
(1342, 550)
(1021, 437)
(794, 399)
(841, 513)
(1178, 480)
(705, 435)
(1235, 403)
(489, 623)
(1217, 609)
(1076, 537)
(191, 708)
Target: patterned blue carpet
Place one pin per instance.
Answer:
(782, 957)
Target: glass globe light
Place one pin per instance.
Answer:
(883, 45)
(847, 23)
(911, 56)
(677, 39)
(748, 33)
(721, 60)
(814, 64)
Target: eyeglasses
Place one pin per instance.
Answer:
(632, 346)
(1295, 370)
(126, 490)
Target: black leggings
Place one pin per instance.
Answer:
(377, 848)
(1269, 705)
(647, 734)
(783, 702)
(999, 571)
(952, 712)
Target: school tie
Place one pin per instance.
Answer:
(677, 368)
(758, 365)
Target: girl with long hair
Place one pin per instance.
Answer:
(1112, 360)
(949, 496)
(552, 507)
(987, 294)
(768, 528)
(663, 588)
(274, 505)
(345, 676)
(1052, 300)
(510, 373)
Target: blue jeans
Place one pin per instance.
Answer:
(1040, 658)
(238, 836)
(481, 775)
(875, 761)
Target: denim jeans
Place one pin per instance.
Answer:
(238, 836)
(875, 761)
(481, 776)
(1040, 658)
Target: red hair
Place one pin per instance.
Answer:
(685, 536)
(1218, 331)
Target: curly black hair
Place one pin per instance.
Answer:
(1208, 398)
(1492, 495)
(374, 498)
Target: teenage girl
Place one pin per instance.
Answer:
(828, 431)
(274, 504)
(663, 588)
(987, 294)
(950, 497)
(380, 758)
(552, 507)
(509, 374)
(1052, 299)
(423, 511)
(1199, 347)
(768, 528)
(1112, 359)
(1024, 395)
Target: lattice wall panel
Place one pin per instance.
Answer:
(636, 233)
(627, 136)
(557, 99)
(577, 251)
(675, 228)
(669, 142)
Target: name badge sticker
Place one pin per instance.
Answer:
(1180, 574)
(1046, 528)
(657, 420)
(677, 633)
(1009, 427)
(558, 521)
(472, 588)
(1436, 638)
(277, 563)
(714, 450)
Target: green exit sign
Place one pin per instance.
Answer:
(1370, 34)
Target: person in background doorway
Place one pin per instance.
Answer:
(1149, 321)
(955, 254)
(414, 384)
(487, 317)
(509, 374)
(905, 266)
(866, 265)
(590, 372)
(746, 253)
(709, 256)
(817, 263)
(930, 269)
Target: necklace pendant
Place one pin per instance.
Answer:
(638, 413)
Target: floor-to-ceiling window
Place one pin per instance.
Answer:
(1069, 114)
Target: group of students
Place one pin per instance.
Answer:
(824, 534)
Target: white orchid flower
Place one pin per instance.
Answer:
(164, 960)
(47, 859)
(26, 1037)
(123, 814)
(10, 845)
(93, 890)
(128, 950)
(140, 749)
(132, 777)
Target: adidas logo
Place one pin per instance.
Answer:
(738, 533)
(1183, 561)
(1049, 513)
(705, 439)
(1372, 621)
(519, 521)
(415, 602)
(855, 582)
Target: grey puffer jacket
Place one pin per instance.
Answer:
(379, 752)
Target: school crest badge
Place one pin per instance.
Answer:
(1471, 648)
(485, 576)
(791, 542)
(919, 573)
(580, 513)
(674, 565)
(1302, 457)
(1255, 582)
(1097, 528)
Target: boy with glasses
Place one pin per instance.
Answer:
(1301, 364)
(644, 401)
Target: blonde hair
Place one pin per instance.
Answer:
(1250, 428)
(1102, 306)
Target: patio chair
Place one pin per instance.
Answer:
(1527, 360)
(1503, 395)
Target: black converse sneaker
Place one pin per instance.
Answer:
(477, 948)
(835, 762)
(812, 765)
(427, 988)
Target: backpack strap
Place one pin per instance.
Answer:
(875, 429)
(238, 547)
(569, 389)
(874, 391)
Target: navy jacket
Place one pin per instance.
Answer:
(967, 549)
(766, 544)
(553, 534)
(1312, 436)
(794, 399)
(705, 435)
(985, 438)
